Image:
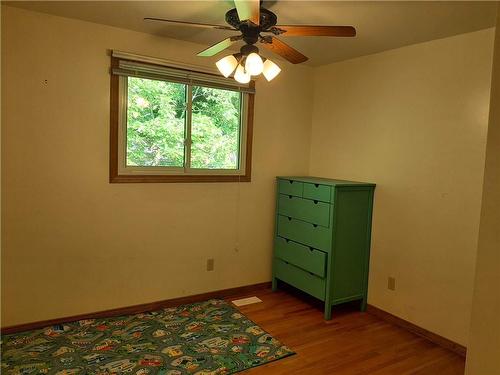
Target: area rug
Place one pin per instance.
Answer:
(204, 338)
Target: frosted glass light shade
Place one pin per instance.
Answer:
(271, 70)
(254, 64)
(241, 76)
(227, 65)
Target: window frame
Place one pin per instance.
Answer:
(120, 173)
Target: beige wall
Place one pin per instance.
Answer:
(74, 243)
(0, 159)
(413, 120)
(483, 356)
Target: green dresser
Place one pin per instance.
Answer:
(322, 241)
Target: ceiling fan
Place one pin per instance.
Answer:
(258, 25)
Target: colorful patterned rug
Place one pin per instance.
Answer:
(204, 338)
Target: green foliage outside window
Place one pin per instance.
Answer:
(156, 125)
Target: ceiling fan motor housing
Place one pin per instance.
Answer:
(249, 30)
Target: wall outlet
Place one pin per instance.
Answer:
(210, 264)
(391, 283)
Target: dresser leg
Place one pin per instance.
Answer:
(328, 311)
(274, 284)
(363, 304)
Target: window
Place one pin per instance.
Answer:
(174, 124)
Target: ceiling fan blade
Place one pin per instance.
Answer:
(284, 50)
(248, 10)
(309, 30)
(184, 23)
(219, 47)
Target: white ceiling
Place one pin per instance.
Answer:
(381, 25)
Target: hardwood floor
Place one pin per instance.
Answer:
(352, 343)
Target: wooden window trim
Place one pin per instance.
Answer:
(115, 177)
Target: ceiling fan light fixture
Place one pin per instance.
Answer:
(227, 65)
(270, 70)
(241, 75)
(254, 64)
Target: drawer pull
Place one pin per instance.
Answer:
(316, 185)
(289, 218)
(287, 240)
(315, 225)
(290, 181)
(315, 201)
(290, 197)
(311, 249)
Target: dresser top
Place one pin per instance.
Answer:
(325, 181)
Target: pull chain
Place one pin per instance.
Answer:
(237, 220)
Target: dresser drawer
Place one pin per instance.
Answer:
(290, 187)
(304, 257)
(305, 233)
(300, 279)
(304, 209)
(317, 192)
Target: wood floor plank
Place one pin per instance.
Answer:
(352, 343)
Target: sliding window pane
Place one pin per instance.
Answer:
(215, 128)
(156, 116)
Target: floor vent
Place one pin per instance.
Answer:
(246, 301)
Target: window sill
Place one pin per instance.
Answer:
(117, 179)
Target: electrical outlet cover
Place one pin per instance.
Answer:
(210, 264)
(391, 283)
